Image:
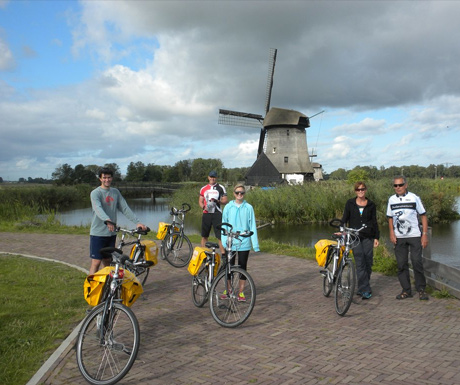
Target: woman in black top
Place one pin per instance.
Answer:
(361, 211)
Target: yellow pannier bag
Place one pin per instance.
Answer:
(199, 255)
(163, 229)
(94, 284)
(322, 247)
(151, 251)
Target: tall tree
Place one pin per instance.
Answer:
(63, 175)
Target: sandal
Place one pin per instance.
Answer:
(404, 295)
(423, 295)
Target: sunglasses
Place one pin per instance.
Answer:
(361, 189)
(398, 184)
(240, 192)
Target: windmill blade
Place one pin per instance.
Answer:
(242, 119)
(271, 72)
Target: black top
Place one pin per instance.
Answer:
(355, 219)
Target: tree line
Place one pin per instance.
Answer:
(191, 170)
(196, 170)
(433, 171)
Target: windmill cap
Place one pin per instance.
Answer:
(213, 174)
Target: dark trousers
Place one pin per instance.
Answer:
(402, 247)
(364, 259)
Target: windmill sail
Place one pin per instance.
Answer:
(242, 119)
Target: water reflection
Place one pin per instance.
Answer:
(444, 244)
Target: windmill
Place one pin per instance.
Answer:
(282, 152)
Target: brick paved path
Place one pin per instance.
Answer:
(293, 336)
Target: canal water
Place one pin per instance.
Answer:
(445, 242)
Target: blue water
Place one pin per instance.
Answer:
(445, 240)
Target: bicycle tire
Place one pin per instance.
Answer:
(231, 312)
(177, 249)
(345, 286)
(108, 362)
(199, 293)
(327, 286)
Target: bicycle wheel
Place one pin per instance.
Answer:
(345, 286)
(327, 286)
(105, 360)
(226, 309)
(177, 249)
(199, 293)
(328, 282)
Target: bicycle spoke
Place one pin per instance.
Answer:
(226, 308)
(345, 287)
(106, 360)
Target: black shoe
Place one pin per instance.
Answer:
(423, 295)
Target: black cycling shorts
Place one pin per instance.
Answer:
(211, 220)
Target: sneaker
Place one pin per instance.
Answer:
(366, 295)
(241, 297)
(224, 295)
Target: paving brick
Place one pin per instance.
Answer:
(293, 336)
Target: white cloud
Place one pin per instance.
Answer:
(7, 61)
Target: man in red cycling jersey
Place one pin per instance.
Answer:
(211, 197)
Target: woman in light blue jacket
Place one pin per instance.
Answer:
(240, 215)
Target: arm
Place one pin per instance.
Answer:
(253, 228)
(201, 202)
(375, 226)
(391, 230)
(100, 216)
(424, 231)
(124, 208)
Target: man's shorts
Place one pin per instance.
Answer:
(97, 243)
(211, 220)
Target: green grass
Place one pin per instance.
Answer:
(41, 303)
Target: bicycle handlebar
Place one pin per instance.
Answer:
(244, 234)
(185, 208)
(132, 232)
(340, 225)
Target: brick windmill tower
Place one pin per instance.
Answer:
(282, 153)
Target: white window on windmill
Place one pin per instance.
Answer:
(286, 158)
(274, 150)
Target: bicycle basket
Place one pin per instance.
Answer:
(322, 247)
(151, 251)
(199, 255)
(94, 284)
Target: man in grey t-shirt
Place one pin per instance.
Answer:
(106, 201)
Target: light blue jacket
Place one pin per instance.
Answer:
(242, 218)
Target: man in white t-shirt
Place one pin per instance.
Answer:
(403, 212)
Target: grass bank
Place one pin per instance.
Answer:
(41, 303)
(318, 202)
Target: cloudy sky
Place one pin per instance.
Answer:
(94, 82)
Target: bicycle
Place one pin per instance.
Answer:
(143, 254)
(176, 248)
(108, 341)
(223, 288)
(343, 272)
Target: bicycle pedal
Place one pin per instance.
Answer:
(323, 272)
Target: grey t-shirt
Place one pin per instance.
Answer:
(105, 204)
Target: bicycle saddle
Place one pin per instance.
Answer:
(212, 245)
